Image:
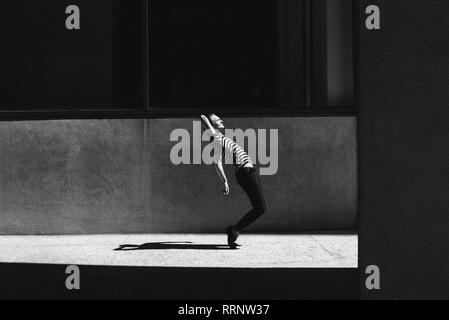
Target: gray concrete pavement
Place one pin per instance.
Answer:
(184, 250)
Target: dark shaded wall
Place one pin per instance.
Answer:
(115, 176)
(403, 141)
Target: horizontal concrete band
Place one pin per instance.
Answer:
(115, 176)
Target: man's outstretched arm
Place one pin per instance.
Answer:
(222, 175)
(219, 163)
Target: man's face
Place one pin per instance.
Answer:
(217, 122)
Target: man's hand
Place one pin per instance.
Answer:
(205, 119)
(226, 189)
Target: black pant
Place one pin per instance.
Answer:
(248, 179)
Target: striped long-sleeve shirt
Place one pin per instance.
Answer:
(232, 153)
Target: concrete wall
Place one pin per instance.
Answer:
(115, 176)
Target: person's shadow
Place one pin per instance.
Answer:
(182, 245)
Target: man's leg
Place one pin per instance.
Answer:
(250, 182)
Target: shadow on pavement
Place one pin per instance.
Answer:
(183, 245)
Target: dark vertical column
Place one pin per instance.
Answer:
(308, 53)
(291, 53)
(339, 53)
(319, 53)
(130, 53)
(146, 57)
(2, 13)
(296, 52)
(403, 149)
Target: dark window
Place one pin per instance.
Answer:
(167, 58)
(216, 53)
(250, 56)
(43, 66)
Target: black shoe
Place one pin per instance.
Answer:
(233, 234)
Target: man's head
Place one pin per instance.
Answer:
(216, 121)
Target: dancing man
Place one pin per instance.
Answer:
(245, 173)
